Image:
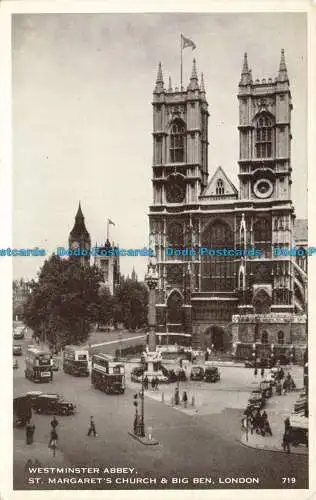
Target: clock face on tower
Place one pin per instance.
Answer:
(175, 191)
(263, 188)
(74, 245)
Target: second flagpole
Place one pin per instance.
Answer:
(181, 88)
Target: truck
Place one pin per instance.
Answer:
(22, 410)
(76, 361)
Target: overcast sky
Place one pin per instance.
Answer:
(82, 114)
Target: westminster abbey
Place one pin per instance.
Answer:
(237, 304)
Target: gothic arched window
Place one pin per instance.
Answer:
(219, 187)
(217, 269)
(264, 338)
(177, 142)
(280, 337)
(175, 234)
(263, 137)
(262, 230)
(174, 308)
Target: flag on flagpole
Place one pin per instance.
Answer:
(111, 222)
(186, 42)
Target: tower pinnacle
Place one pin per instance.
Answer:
(282, 76)
(194, 84)
(245, 72)
(170, 85)
(159, 82)
(202, 87)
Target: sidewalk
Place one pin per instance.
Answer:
(277, 408)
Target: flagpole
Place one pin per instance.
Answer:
(107, 231)
(181, 63)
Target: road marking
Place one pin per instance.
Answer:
(118, 341)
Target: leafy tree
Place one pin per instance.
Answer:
(131, 301)
(105, 308)
(63, 302)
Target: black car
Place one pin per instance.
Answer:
(53, 404)
(197, 373)
(18, 333)
(211, 374)
(17, 350)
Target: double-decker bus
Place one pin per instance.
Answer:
(75, 361)
(38, 365)
(107, 375)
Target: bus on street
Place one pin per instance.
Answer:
(38, 365)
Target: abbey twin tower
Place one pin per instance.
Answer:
(252, 302)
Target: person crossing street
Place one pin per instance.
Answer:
(92, 427)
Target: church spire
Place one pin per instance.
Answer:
(282, 76)
(246, 76)
(245, 69)
(170, 85)
(159, 82)
(194, 84)
(79, 228)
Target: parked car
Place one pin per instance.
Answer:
(18, 333)
(53, 404)
(17, 350)
(266, 388)
(197, 373)
(256, 399)
(211, 374)
(136, 373)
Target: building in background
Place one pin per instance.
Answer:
(109, 265)
(20, 291)
(250, 305)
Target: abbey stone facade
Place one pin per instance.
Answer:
(250, 306)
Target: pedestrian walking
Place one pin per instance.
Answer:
(29, 430)
(185, 399)
(287, 440)
(92, 427)
(176, 396)
(262, 372)
(54, 423)
(256, 371)
(146, 382)
(53, 438)
(156, 383)
(153, 383)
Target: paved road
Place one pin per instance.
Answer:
(201, 445)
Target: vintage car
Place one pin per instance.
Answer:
(136, 373)
(256, 399)
(18, 333)
(266, 388)
(197, 373)
(17, 350)
(211, 374)
(53, 404)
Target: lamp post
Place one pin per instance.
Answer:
(151, 278)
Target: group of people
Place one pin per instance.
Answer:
(154, 383)
(30, 430)
(257, 421)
